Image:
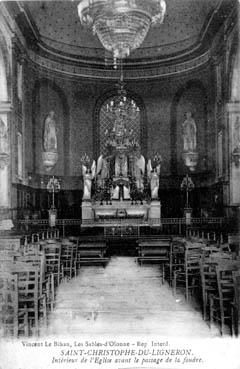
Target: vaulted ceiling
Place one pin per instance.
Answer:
(54, 26)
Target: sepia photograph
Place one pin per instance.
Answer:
(119, 184)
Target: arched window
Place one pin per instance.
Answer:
(108, 113)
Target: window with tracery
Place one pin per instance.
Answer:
(108, 113)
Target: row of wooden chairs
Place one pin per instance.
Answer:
(28, 281)
(212, 270)
(22, 300)
(220, 291)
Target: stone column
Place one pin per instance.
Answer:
(5, 167)
(234, 162)
(234, 152)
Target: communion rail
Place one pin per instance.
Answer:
(211, 228)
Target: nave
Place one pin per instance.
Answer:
(123, 298)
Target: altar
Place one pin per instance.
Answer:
(121, 186)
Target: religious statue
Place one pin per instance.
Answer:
(119, 128)
(3, 137)
(153, 177)
(50, 133)
(103, 167)
(189, 134)
(88, 176)
(138, 170)
(121, 164)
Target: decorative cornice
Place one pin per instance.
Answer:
(111, 74)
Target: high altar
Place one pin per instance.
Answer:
(120, 189)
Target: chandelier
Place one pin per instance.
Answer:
(122, 106)
(121, 25)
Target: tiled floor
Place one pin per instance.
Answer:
(123, 298)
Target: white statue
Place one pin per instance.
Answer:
(103, 165)
(115, 193)
(126, 193)
(50, 133)
(139, 170)
(189, 133)
(88, 175)
(121, 164)
(153, 177)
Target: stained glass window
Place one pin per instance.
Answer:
(131, 113)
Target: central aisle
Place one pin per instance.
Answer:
(123, 298)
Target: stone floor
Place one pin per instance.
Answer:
(123, 298)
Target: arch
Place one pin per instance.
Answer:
(173, 118)
(66, 118)
(96, 113)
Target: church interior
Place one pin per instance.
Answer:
(120, 167)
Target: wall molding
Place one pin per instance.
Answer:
(142, 73)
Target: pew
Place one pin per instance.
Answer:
(153, 250)
(91, 252)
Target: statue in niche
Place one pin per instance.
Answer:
(50, 133)
(3, 137)
(236, 134)
(189, 134)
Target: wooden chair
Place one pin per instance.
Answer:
(221, 302)
(188, 274)
(236, 303)
(8, 304)
(176, 259)
(31, 248)
(211, 257)
(68, 259)
(52, 251)
(36, 260)
(28, 294)
(7, 256)
(208, 281)
(45, 296)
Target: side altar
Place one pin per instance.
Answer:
(121, 188)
